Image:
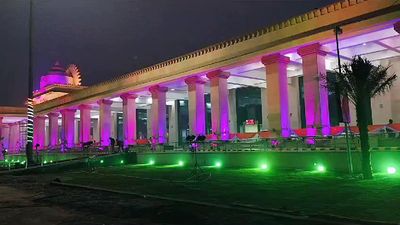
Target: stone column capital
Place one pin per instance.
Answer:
(84, 106)
(157, 88)
(67, 111)
(53, 114)
(396, 27)
(274, 58)
(126, 96)
(315, 48)
(194, 80)
(105, 102)
(218, 74)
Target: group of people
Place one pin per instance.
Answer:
(118, 143)
(113, 143)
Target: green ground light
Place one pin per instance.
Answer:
(391, 170)
(151, 162)
(122, 161)
(181, 163)
(264, 166)
(218, 164)
(101, 161)
(321, 168)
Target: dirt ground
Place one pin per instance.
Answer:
(31, 200)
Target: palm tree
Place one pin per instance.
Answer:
(360, 81)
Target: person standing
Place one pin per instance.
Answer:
(112, 144)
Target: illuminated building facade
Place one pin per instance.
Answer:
(268, 80)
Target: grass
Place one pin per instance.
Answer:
(310, 192)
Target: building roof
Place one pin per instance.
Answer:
(12, 111)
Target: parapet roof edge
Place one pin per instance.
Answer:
(289, 22)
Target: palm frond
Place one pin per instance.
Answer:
(359, 79)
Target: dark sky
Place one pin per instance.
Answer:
(107, 38)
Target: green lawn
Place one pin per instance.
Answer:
(308, 192)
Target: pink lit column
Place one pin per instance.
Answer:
(68, 127)
(158, 114)
(39, 133)
(85, 123)
(277, 100)
(129, 110)
(315, 94)
(219, 103)
(53, 129)
(14, 143)
(197, 125)
(105, 121)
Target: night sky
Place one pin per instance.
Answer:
(108, 38)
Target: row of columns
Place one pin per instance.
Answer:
(220, 115)
(11, 136)
(315, 95)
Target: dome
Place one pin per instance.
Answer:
(56, 75)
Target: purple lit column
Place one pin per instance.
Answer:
(85, 123)
(53, 129)
(158, 114)
(277, 100)
(197, 113)
(1, 138)
(396, 27)
(68, 127)
(39, 127)
(315, 94)
(219, 103)
(129, 110)
(105, 121)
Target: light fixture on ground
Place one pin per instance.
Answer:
(321, 168)
(122, 161)
(151, 162)
(264, 166)
(391, 170)
(181, 163)
(218, 164)
(101, 161)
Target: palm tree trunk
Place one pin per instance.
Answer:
(362, 123)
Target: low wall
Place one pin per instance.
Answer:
(332, 160)
(81, 163)
(45, 156)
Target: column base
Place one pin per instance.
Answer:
(326, 131)
(286, 133)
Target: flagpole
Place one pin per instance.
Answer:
(30, 113)
(339, 31)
